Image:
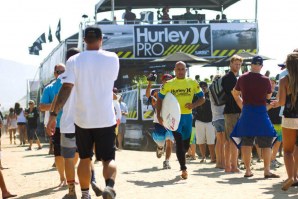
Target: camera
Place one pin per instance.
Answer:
(152, 77)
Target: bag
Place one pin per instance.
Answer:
(217, 92)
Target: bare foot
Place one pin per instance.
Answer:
(228, 169)
(219, 166)
(235, 170)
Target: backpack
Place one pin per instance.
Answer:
(217, 92)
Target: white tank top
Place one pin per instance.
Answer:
(21, 117)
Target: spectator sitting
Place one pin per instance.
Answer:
(165, 17)
(129, 17)
(223, 19)
(216, 20)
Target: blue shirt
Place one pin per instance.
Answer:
(49, 94)
(123, 108)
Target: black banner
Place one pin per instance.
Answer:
(158, 40)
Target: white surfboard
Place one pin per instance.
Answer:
(170, 112)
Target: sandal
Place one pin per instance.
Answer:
(272, 175)
(287, 184)
(248, 176)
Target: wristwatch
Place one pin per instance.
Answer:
(53, 114)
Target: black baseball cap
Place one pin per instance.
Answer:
(203, 84)
(93, 32)
(257, 60)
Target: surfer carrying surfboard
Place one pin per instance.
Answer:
(184, 89)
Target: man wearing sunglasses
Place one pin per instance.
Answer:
(48, 97)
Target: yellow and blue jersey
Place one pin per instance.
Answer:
(184, 90)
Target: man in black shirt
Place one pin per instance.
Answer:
(204, 129)
(129, 17)
(231, 113)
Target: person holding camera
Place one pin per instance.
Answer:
(161, 135)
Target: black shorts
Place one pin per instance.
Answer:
(103, 138)
(261, 141)
(56, 142)
(31, 133)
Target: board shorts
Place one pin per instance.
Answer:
(193, 136)
(68, 145)
(185, 126)
(161, 134)
(278, 129)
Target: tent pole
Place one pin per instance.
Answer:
(256, 11)
(112, 10)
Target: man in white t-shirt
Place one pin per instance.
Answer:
(92, 74)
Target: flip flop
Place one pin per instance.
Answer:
(248, 176)
(272, 175)
(295, 184)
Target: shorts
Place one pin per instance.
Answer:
(193, 139)
(185, 126)
(278, 128)
(161, 134)
(289, 123)
(56, 142)
(219, 125)
(103, 138)
(122, 128)
(205, 132)
(261, 141)
(68, 145)
(32, 134)
(230, 122)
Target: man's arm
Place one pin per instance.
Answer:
(58, 103)
(45, 107)
(282, 92)
(237, 96)
(45, 103)
(125, 111)
(148, 89)
(158, 109)
(63, 95)
(199, 102)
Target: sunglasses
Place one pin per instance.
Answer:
(59, 71)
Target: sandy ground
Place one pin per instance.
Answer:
(29, 174)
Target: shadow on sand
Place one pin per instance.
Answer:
(36, 172)
(158, 183)
(209, 172)
(276, 192)
(45, 192)
(147, 170)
